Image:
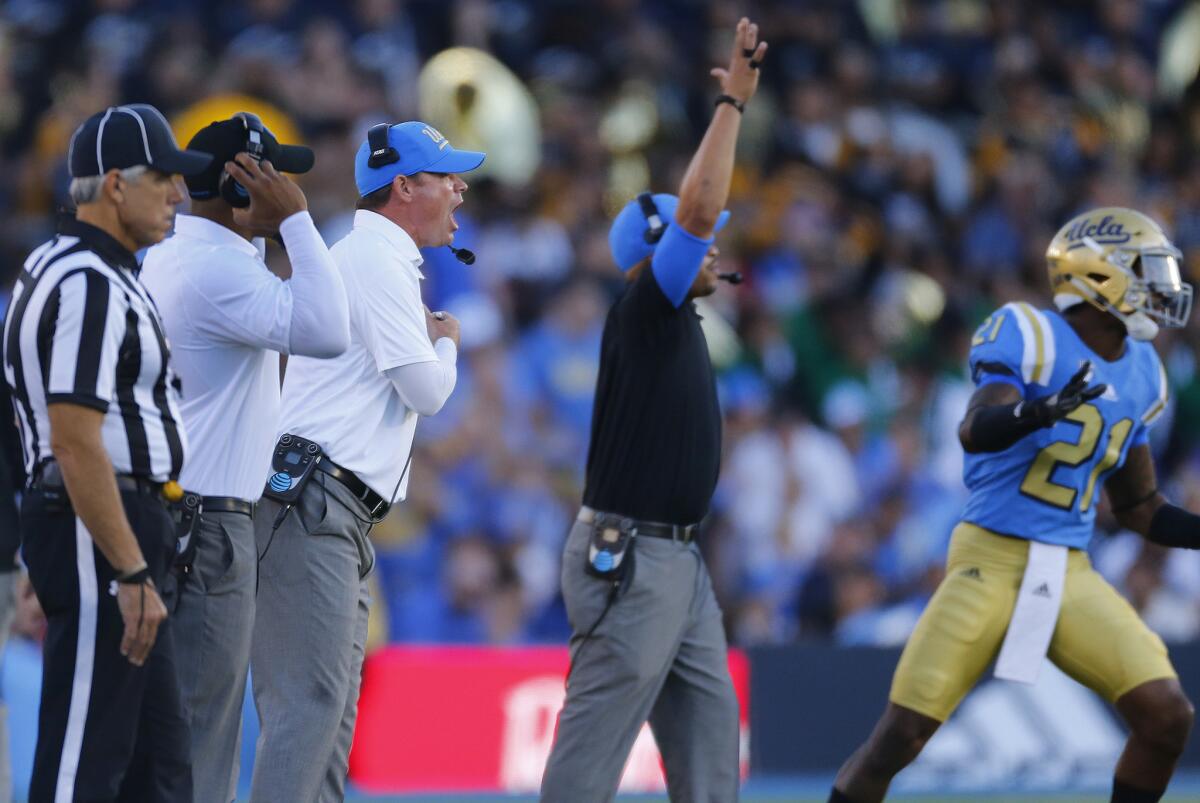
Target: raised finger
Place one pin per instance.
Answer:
(760, 51)
(751, 36)
(739, 39)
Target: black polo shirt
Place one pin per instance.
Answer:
(656, 426)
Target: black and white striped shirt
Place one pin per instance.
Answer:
(81, 329)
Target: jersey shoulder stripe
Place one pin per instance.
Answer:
(1160, 403)
(1037, 337)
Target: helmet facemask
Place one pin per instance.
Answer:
(1155, 296)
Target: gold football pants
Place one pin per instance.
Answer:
(1099, 639)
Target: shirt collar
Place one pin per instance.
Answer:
(99, 241)
(204, 229)
(397, 237)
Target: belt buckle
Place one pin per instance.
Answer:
(379, 507)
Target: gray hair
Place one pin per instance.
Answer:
(86, 189)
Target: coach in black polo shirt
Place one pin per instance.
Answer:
(97, 405)
(648, 641)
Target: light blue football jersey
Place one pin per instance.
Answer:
(1045, 486)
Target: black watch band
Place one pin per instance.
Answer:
(732, 101)
(137, 578)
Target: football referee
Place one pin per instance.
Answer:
(96, 402)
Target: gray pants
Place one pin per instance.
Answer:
(658, 655)
(214, 619)
(310, 632)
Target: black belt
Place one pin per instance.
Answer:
(226, 504)
(48, 477)
(684, 533)
(377, 506)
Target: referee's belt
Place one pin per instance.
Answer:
(684, 533)
(48, 477)
(377, 506)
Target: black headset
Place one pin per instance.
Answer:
(382, 152)
(233, 193)
(656, 229)
(656, 226)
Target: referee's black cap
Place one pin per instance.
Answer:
(225, 139)
(128, 136)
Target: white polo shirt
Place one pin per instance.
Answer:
(349, 405)
(226, 317)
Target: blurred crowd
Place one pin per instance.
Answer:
(902, 169)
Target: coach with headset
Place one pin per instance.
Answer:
(343, 458)
(228, 318)
(648, 640)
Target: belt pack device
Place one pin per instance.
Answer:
(292, 466)
(186, 515)
(609, 545)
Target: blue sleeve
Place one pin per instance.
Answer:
(677, 261)
(997, 350)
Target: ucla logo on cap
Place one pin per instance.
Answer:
(280, 481)
(436, 136)
(1106, 232)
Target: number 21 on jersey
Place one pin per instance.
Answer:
(1038, 482)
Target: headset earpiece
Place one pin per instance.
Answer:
(382, 153)
(656, 226)
(230, 191)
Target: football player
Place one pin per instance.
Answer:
(1064, 402)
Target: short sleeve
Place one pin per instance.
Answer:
(1015, 344)
(391, 316)
(997, 350)
(677, 260)
(79, 339)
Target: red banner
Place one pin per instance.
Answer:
(480, 719)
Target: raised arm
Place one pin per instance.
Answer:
(705, 187)
(319, 321)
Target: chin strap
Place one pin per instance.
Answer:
(1139, 325)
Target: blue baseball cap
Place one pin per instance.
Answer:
(420, 147)
(627, 236)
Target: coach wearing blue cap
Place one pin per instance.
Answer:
(359, 412)
(648, 641)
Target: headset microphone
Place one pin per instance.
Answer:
(733, 278)
(463, 255)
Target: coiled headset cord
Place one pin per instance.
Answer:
(614, 592)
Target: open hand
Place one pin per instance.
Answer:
(740, 81)
(1073, 395)
(273, 196)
